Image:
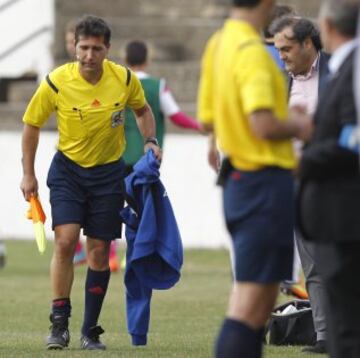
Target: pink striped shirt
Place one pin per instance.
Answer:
(305, 89)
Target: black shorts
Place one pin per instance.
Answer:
(91, 197)
(259, 213)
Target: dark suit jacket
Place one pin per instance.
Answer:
(329, 196)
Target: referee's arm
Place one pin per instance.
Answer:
(147, 127)
(30, 140)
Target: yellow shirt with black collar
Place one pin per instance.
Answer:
(238, 78)
(90, 118)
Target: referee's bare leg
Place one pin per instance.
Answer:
(249, 308)
(62, 276)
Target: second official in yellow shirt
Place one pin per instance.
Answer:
(238, 78)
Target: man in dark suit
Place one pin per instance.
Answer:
(329, 198)
(298, 42)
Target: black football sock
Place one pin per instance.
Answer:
(95, 289)
(61, 307)
(237, 339)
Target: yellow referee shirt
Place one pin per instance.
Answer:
(238, 78)
(90, 118)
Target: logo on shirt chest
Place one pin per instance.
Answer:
(96, 103)
(117, 118)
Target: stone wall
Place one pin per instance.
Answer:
(175, 29)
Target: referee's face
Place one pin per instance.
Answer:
(91, 52)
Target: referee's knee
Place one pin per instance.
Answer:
(98, 255)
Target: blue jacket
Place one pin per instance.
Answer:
(154, 253)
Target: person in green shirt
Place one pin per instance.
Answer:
(160, 99)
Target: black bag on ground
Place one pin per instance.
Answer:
(292, 325)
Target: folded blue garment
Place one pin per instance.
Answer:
(154, 249)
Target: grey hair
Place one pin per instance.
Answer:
(343, 14)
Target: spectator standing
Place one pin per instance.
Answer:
(329, 199)
(299, 45)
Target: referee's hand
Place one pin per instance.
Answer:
(29, 186)
(304, 123)
(155, 148)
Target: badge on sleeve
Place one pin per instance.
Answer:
(117, 118)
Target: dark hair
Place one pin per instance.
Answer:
(302, 29)
(279, 11)
(246, 3)
(92, 26)
(136, 53)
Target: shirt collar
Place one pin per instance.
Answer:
(141, 75)
(313, 70)
(340, 55)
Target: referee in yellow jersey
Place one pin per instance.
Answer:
(243, 97)
(89, 97)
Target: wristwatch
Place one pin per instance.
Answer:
(151, 140)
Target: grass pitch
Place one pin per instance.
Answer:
(184, 320)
